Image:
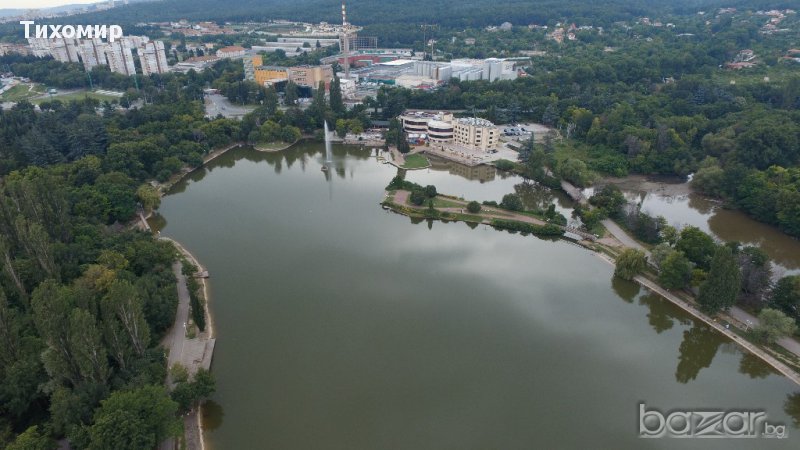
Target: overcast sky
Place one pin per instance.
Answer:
(32, 4)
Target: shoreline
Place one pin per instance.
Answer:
(196, 417)
(603, 252)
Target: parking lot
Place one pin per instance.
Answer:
(521, 132)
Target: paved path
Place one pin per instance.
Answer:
(740, 315)
(743, 317)
(401, 198)
(193, 354)
(175, 340)
(622, 236)
(487, 213)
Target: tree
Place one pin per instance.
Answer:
(756, 271)
(148, 196)
(659, 253)
(722, 285)
(630, 262)
(697, 246)
(786, 296)
(188, 394)
(135, 419)
(511, 202)
(417, 197)
(474, 207)
(290, 93)
(337, 105)
(430, 191)
(676, 271)
(773, 325)
(31, 439)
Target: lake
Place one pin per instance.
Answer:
(343, 326)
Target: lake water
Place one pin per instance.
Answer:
(344, 326)
(674, 200)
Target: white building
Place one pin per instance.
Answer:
(40, 47)
(233, 51)
(153, 58)
(477, 133)
(93, 53)
(441, 127)
(348, 87)
(120, 58)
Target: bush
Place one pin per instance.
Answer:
(539, 230)
(504, 164)
(430, 191)
(399, 183)
(512, 202)
(474, 207)
(418, 197)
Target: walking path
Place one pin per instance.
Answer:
(192, 353)
(745, 320)
(487, 213)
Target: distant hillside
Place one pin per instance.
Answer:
(442, 12)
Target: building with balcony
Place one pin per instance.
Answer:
(479, 134)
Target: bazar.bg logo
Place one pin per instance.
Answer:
(112, 32)
(707, 424)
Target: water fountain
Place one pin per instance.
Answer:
(328, 151)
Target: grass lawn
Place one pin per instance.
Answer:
(76, 96)
(439, 202)
(415, 161)
(21, 92)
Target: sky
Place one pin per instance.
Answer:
(34, 4)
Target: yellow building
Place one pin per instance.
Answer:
(269, 75)
(311, 76)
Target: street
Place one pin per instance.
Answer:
(217, 104)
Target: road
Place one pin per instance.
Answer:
(217, 104)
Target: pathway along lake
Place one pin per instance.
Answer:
(343, 326)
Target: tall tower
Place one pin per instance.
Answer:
(345, 42)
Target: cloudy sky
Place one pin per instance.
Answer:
(30, 4)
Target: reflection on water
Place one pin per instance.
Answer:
(662, 314)
(486, 183)
(673, 200)
(754, 367)
(627, 290)
(792, 408)
(343, 326)
(697, 351)
(481, 173)
(212, 415)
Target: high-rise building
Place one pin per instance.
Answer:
(40, 47)
(64, 50)
(153, 58)
(120, 58)
(93, 53)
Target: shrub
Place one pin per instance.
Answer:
(417, 197)
(474, 207)
(504, 164)
(511, 202)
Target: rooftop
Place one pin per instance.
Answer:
(475, 121)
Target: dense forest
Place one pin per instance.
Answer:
(84, 299)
